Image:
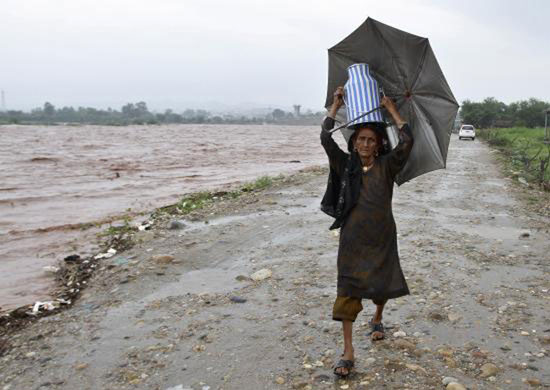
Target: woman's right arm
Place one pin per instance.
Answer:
(337, 157)
(398, 156)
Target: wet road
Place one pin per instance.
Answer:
(477, 265)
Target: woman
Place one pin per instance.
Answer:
(359, 196)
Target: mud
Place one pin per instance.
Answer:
(476, 261)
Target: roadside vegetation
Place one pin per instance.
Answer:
(526, 154)
(199, 200)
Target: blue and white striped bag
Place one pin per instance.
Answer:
(362, 95)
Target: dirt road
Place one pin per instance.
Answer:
(476, 262)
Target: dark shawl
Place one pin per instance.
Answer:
(344, 180)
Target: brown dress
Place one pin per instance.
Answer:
(368, 259)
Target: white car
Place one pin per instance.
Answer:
(467, 131)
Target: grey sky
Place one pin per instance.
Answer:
(203, 53)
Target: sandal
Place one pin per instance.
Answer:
(379, 327)
(348, 364)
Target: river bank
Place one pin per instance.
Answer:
(240, 297)
(72, 274)
(62, 185)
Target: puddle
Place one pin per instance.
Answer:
(488, 232)
(206, 280)
(452, 211)
(504, 275)
(232, 219)
(298, 207)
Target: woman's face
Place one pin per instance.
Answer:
(366, 142)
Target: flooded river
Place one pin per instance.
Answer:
(56, 177)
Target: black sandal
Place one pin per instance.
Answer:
(348, 364)
(379, 327)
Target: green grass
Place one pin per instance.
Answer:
(199, 200)
(126, 227)
(258, 184)
(194, 202)
(524, 149)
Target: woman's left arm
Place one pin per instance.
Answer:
(399, 155)
(337, 157)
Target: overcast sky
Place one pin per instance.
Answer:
(207, 53)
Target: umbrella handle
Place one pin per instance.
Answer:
(354, 119)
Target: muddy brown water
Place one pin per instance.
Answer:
(54, 177)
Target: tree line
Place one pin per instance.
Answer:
(488, 113)
(138, 113)
(493, 113)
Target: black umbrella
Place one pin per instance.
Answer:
(407, 70)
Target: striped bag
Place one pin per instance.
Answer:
(362, 95)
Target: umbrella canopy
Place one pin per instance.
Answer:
(406, 68)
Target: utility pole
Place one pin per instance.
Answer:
(3, 102)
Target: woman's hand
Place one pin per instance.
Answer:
(389, 105)
(338, 97)
(337, 101)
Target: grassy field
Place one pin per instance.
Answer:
(527, 154)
